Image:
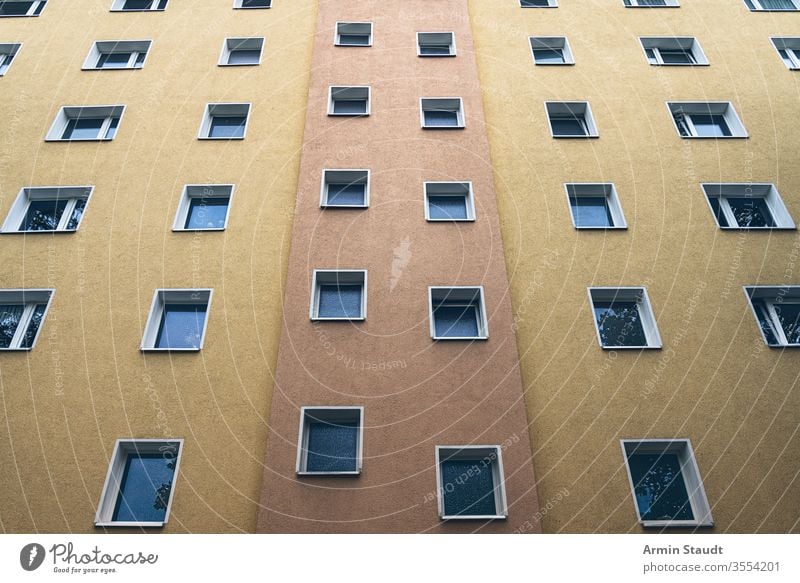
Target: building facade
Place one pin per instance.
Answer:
(511, 266)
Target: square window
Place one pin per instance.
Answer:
(8, 51)
(344, 189)
(571, 119)
(551, 50)
(717, 119)
(772, 5)
(777, 311)
(747, 206)
(85, 123)
(48, 210)
(330, 441)
(117, 54)
(673, 50)
(224, 121)
(595, 206)
(624, 318)
(436, 44)
(252, 4)
(457, 313)
(339, 294)
(177, 320)
(353, 34)
(350, 101)
(651, 3)
(538, 3)
(665, 483)
(203, 207)
(10, 8)
(449, 201)
(140, 483)
(470, 482)
(789, 50)
(442, 113)
(138, 5)
(22, 312)
(241, 51)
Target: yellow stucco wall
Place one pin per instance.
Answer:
(86, 383)
(714, 381)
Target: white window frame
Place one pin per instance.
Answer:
(483, 323)
(635, 4)
(351, 176)
(8, 54)
(791, 45)
(552, 43)
(448, 105)
(451, 44)
(237, 5)
(652, 43)
(337, 33)
(628, 294)
(164, 296)
(588, 118)
(68, 112)
(29, 298)
(769, 294)
(321, 277)
(765, 190)
(31, 11)
(116, 468)
(477, 453)
(331, 414)
(135, 47)
(596, 189)
(550, 4)
(724, 108)
(354, 92)
(191, 191)
(691, 477)
(117, 6)
(227, 109)
(755, 6)
(20, 207)
(448, 188)
(232, 44)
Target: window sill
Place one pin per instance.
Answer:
(680, 64)
(138, 10)
(19, 15)
(111, 68)
(792, 228)
(615, 228)
(554, 64)
(436, 56)
(16, 349)
(476, 517)
(130, 524)
(343, 206)
(198, 230)
(334, 474)
(461, 127)
(323, 319)
(42, 231)
(675, 523)
(145, 349)
(770, 345)
(450, 220)
(238, 64)
(331, 114)
(459, 338)
(356, 46)
(566, 137)
(715, 137)
(653, 347)
(78, 140)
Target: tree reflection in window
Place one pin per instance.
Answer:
(659, 487)
(620, 323)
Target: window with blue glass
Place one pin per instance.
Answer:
(345, 189)
(665, 482)
(353, 34)
(242, 51)
(8, 52)
(571, 119)
(203, 207)
(10, 8)
(624, 318)
(777, 310)
(339, 295)
(140, 484)
(650, 3)
(538, 3)
(252, 4)
(747, 206)
(21, 315)
(117, 55)
(177, 320)
(773, 5)
(595, 206)
(349, 101)
(47, 210)
(470, 482)
(86, 123)
(717, 120)
(449, 201)
(330, 440)
(138, 5)
(458, 313)
(225, 121)
(551, 50)
(442, 113)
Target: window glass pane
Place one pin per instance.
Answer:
(349, 106)
(140, 59)
(244, 57)
(255, 3)
(15, 8)
(43, 215)
(659, 487)
(77, 213)
(227, 127)
(137, 4)
(651, 55)
(346, 194)
(113, 60)
(33, 325)
(777, 4)
(716, 208)
(83, 129)
(440, 117)
(9, 320)
(353, 39)
(207, 213)
(112, 128)
(468, 488)
(181, 326)
(591, 211)
(620, 323)
(543, 56)
(750, 211)
(651, 2)
(447, 207)
(340, 301)
(765, 322)
(434, 49)
(332, 447)
(534, 3)
(676, 56)
(711, 125)
(145, 488)
(456, 321)
(789, 318)
(568, 126)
